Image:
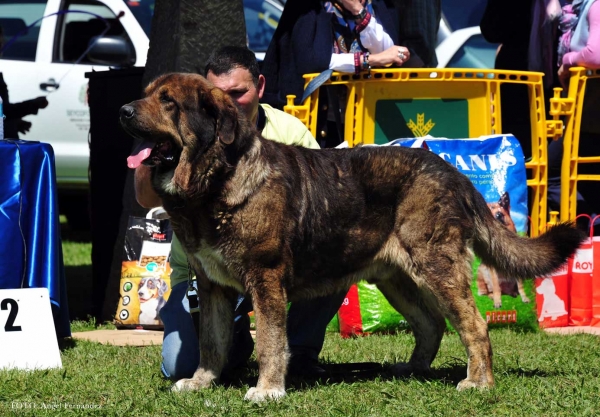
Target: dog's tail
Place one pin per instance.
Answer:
(521, 257)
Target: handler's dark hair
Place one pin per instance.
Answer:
(228, 58)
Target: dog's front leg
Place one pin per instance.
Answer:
(215, 327)
(269, 301)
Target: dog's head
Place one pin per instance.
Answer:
(501, 211)
(182, 118)
(150, 288)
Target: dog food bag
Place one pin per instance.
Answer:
(365, 310)
(145, 271)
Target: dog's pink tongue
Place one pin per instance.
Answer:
(139, 154)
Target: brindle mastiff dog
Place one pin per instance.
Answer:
(281, 223)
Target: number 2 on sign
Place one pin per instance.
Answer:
(12, 315)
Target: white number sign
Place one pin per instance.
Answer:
(27, 334)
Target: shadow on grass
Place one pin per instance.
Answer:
(448, 374)
(345, 373)
(66, 343)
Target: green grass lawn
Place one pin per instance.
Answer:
(536, 375)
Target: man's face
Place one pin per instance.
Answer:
(238, 84)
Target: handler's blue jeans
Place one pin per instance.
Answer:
(307, 321)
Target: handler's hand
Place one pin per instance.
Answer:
(144, 193)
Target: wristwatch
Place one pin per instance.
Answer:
(361, 15)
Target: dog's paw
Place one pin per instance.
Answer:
(525, 299)
(189, 385)
(497, 304)
(258, 395)
(468, 384)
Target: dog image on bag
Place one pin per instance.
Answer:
(489, 282)
(282, 223)
(151, 291)
(553, 307)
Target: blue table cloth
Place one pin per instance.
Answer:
(30, 244)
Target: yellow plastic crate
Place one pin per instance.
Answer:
(571, 108)
(452, 103)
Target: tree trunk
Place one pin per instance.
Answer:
(184, 33)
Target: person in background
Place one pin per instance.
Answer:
(526, 44)
(579, 45)
(235, 71)
(342, 35)
(14, 112)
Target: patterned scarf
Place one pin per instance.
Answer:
(567, 25)
(545, 14)
(345, 37)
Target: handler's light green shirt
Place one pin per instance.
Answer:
(279, 127)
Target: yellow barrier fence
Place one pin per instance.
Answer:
(582, 96)
(451, 103)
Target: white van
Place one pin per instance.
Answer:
(51, 54)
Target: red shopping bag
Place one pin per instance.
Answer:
(596, 280)
(580, 283)
(552, 298)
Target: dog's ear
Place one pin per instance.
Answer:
(504, 201)
(227, 122)
(163, 287)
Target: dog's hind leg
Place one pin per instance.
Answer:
(216, 328)
(521, 290)
(424, 317)
(451, 286)
(269, 301)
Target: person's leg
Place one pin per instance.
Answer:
(180, 350)
(306, 325)
(242, 342)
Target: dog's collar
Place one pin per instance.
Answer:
(261, 120)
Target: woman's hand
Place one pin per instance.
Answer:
(563, 76)
(395, 55)
(352, 6)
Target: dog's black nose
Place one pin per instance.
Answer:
(127, 112)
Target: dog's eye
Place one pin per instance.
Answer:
(165, 98)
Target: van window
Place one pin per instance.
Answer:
(77, 30)
(15, 17)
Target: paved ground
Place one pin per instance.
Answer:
(574, 329)
(122, 337)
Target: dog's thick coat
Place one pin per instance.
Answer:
(279, 223)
